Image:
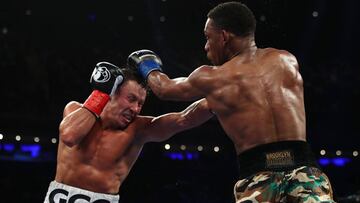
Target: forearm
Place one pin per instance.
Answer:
(75, 126)
(177, 89)
(165, 126)
(78, 119)
(148, 65)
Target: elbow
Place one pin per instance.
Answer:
(184, 123)
(67, 136)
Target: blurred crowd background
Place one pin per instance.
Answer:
(48, 50)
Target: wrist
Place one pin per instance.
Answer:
(96, 102)
(148, 66)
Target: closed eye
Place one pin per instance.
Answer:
(132, 98)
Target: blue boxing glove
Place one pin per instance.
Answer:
(144, 62)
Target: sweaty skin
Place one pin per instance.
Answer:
(97, 155)
(257, 94)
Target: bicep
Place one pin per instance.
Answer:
(182, 88)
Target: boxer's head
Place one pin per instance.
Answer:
(127, 101)
(228, 24)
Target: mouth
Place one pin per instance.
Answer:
(128, 117)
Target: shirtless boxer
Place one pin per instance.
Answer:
(101, 139)
(257, 95)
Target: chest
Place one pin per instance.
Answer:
(108, 146)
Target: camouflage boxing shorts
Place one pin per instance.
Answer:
(303, 184)
(284, 171)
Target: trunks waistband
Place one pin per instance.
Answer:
(59, 192)
(277, 156)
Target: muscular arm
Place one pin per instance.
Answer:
(183, 88)
(76, 123)
(163, 127)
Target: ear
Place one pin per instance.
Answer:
(226, 36)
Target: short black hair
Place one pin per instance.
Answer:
(131, 74)
(234, 17)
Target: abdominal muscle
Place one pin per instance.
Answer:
(96, 175)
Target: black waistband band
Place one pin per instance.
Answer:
(277, 156)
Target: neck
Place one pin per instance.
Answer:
(243, 47)
(236, 54)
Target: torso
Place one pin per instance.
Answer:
(101, 162)
(258, 99)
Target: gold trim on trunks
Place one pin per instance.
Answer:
(279, 159)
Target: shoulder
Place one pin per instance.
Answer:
(140, 125)
(279, 57)
(204, 69)
(276, 53)
(202, 72)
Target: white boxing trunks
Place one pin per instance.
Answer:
(61, 193)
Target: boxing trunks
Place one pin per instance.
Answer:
(61, 193)
(284, 171)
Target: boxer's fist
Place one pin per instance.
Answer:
(144, 62)
(106, 77)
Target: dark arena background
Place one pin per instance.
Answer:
(48, 50)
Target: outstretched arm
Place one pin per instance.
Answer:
(178, 89)
(148, 65)
(157, 129)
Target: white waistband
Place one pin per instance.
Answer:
(59, 192)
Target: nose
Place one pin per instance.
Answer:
(206, 47)
(136, 108)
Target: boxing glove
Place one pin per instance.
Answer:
(105, 79)
(144, 62)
